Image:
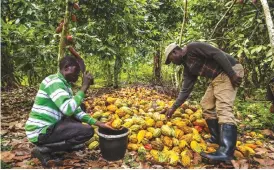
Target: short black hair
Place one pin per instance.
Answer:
(67, 61)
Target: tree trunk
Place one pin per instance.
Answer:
(65, 29)
(178, 69)
(270, 27)
(157, 68)
(109, 75)
(117, 70)
(8, 79)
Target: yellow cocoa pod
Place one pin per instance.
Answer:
(132, 146)
(141, 135)
(111, 100)
(120, 113)
(176, 149)
(148, 135)
(175, 142)
(117, 123)
(127, 124)
(159, 124)
(195, 147)
(151, 129)
(167, 141)
(157, 132)
(133, 138)
(188, 111)
(182, 144)
(155, 154)
(112, 108)
(178, 133)
(93, 145)
(185, 160)
(173, 158)
(150, 122)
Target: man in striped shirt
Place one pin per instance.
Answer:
(55, 121)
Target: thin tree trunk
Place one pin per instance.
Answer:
(8, 80)
(183, 24)
(157, 68)
(117, 70)
(65, 29)
(270, 27)
(178, 69)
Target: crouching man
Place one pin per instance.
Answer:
(55, 121)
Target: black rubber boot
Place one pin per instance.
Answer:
(228, 138)
(43, 157)
(213, 127)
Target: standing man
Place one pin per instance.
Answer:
(55, 121)
(202, 59)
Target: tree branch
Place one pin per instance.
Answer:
(222, 18)
(183, 24)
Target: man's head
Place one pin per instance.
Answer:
(174, 54)
(70, 68)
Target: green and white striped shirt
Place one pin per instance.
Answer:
(53, 100)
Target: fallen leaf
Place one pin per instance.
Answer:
(4, 132)
(260, 151)
(240, 164)
(265, 161)
(267, 132)
(77, 164)
(235, 164)
(196, 158)
(23, 165)
(7, 156)
(271, 155)
(21, 158)
(271, 148)
(157, 167)
(145, 165)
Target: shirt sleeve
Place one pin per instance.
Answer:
(66, 103)
(210, 52)
(83, 117)
(188, 84)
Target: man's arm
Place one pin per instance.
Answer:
(66, 103)
(188, 84)
(83, 117)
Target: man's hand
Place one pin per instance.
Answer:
(236, 80)
(87, 81)
(271, 109)
(104, 125)
(169, 113)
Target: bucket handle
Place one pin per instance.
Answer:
(111, 136)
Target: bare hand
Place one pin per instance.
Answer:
(169, 113)
(106, 125)
(236, 80)
(87, 81)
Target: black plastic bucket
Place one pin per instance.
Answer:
(113, 143)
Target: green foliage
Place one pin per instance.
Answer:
(255, 115)
(4, 165)
(133, 30)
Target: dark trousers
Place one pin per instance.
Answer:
(68, 129)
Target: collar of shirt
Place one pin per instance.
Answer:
(60, 75)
